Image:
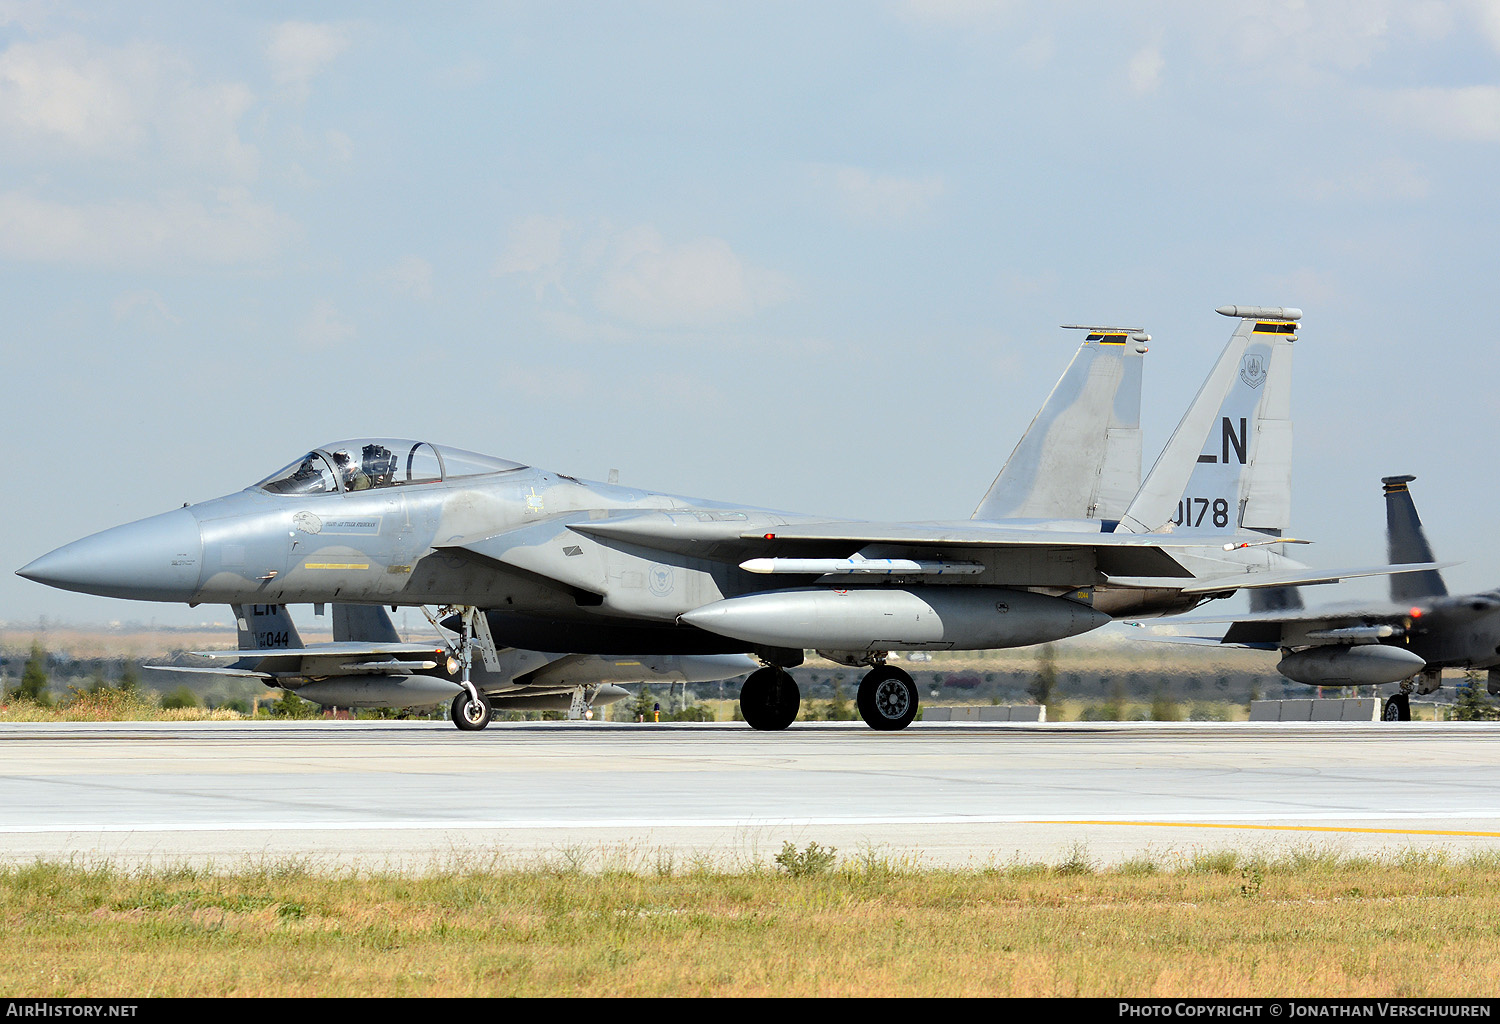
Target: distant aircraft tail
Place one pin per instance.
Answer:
(1406, 542)
(265, 627)
(1275, 599)
(1081, 456)
(368, 623)
(1228, 465)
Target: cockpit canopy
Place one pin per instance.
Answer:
(372, 462)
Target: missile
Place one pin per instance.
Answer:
(862, 566)
(1261, 312)
(1360, 665)
(882, 618)
(379, 691)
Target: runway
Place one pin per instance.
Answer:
(423, 796)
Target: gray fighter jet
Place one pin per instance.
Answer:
(369, 666)
(533, 559)
(1408, 640)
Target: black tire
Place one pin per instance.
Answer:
(1397, 708)
(887, 699)
(468, 716)
(770, 699)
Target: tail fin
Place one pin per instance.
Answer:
(370, 623)
(1406, 542)
(1228, 464)
(1275, 599)
(265, 627)
(1081, 456)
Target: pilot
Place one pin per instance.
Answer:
(354, 478)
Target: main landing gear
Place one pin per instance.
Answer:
(769, 698)
(1397, 708)
(887, 700)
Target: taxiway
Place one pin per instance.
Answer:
(423, 796)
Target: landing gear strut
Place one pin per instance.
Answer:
(471, 712)
(887, 698)
(769, 699)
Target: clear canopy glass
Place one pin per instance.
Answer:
(372, 462)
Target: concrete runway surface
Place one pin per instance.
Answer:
(424, 796)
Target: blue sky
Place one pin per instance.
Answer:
(810, 256)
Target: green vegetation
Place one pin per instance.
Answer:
(34, 677)
(1309, 923)
(1472, 702)
(1046, 674)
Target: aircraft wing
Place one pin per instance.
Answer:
(1114, 554)
(774, 543)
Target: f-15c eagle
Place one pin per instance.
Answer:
(533, 559)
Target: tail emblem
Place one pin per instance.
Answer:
(1253, 370)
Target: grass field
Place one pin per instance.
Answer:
(1308, 924)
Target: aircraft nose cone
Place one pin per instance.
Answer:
(156, 559)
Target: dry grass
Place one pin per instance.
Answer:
(1309, 924)
(110, 705)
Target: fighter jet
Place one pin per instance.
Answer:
(534, 559)
(1408, 640)
(369, 666)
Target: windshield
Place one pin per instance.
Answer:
(361, 465)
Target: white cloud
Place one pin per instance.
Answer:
(1037, 52)
(1486, 14)
(654, 283)
(174, 230)
(66, 97)
(147, 307)
(1342, 34)
(1469, 113)
(325, 327)
(872, 198)
(412, 276)
(536, 245)
(340, 146)
(299, 50)
(635, 276)
(1373, 181)
(1144, 71)
(465, 74)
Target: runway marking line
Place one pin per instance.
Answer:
(1283, 828)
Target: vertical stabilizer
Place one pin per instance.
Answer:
(1406, 542)
(265, 627)
(1275, 599)
(368, 623)
(1081, 456)
(1228, 465)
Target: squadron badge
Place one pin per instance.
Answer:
(1253, 370)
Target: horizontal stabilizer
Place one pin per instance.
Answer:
(212, 670)
(1196, 641)
(349, 649)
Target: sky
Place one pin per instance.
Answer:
(804, 256)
